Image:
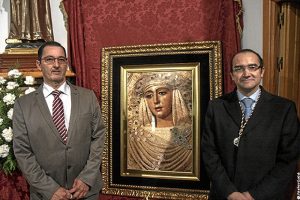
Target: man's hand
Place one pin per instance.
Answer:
(237, 196)
(61, 194)
(248, 195)
(79, 189)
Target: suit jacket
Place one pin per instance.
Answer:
(46, 162)
(265, 160)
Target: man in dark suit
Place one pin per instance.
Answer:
(250, 149)
(59, 161)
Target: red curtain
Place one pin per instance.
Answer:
(94, 24)
(13, 187)
(76, 50)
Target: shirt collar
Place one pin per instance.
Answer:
(254, 96)
(47, 89)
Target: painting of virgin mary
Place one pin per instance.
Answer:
(160, 131)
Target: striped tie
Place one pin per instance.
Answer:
(58, 115)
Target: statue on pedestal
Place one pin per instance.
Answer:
(1, 8)
(30, 24)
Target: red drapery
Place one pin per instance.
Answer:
(13, 187)
(94, 24)
(76, 43)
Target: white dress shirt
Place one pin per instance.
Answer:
(65, 96)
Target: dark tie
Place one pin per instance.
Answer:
(58, 115)
(248, 106)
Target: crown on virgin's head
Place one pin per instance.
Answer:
(162, 79)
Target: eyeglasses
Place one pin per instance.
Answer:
(51, 60)
(242, 68)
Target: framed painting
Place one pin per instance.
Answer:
(154, 98)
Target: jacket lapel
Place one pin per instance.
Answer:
(259, 112)
(74, 109)
(45, 111)
(233, 108)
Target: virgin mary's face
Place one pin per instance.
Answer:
(159, 100)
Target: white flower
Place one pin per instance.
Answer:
(1, 121)
(29, 90)
(29, 80)
(2, 80)
(4, 150)
(14, 73)
(10, 113)
(9, 98)
(7, 134)
(11, 85)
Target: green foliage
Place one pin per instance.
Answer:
(10, 89)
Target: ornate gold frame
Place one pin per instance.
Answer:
(203, 59)
(184, 73)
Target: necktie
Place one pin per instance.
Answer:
(58, 115)
(248, 109)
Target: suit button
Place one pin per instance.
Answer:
(69, 166)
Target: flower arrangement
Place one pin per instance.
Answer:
(11, 87)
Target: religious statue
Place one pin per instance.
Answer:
(30, 23)
(1, 8)
(160, 125)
